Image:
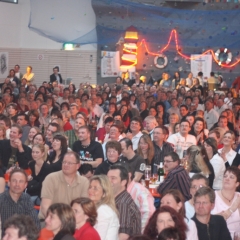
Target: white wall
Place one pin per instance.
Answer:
(14, 19)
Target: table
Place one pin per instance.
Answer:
(153, 190)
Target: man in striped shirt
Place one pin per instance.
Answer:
(177, 177)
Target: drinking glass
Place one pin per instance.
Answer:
(147, 175)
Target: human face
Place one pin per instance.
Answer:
(14, 133)
(21, 120)
(230, 181)
(108, 126)
(17, 183)
(168, 200)
(70, 165)
(79, 123)
(83, 135)
(50, 131)
(80, 216)
(164, 220)
(213, 135)
(135, 126)
(123, 110)
(44, 109)
(183, 111)
(66, 94)
(114, 133)
(152, 112)
(143, 145)
(169, 164)
(228, 139)
(95, 191)
(32, 133)
(115, 180)
(177, 128)
(56, 145)
(184, 128)
(37, 154)
(124, 149)
(208, 106)
(11, 233)
(198, 126)
(196, 184)
(158, 135)
(208, 148)
(11, 111)
(150, 125)
(53, 223)
(112, 155)
(29, 70)
(191, 120)
(38, 140)
(73, 110)
(173, 119)
(203, 206)
(160, 108)
(174, 103)
(222, 123)
(2, 123)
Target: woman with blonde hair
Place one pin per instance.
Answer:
(146, 149)
(2, 132)
(100, 192)
(173, 119)
(195, 163)
(66, 120)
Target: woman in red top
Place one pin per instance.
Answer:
(86, 216)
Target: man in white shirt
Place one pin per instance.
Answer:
(221, 106)
(182, 140)
(98, 111)
(135, 127)
(210, 115)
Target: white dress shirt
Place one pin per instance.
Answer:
(229, 156)
(135, 140)
(211, 117)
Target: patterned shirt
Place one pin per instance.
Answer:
(129, 214)
(177, 178)
(24, 205)
(71, 137)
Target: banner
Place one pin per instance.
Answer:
(110, 64)
(4, 64)
(201, 64)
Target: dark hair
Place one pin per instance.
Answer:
(139, 237)
(24, 224)
(173, 155)
(115, 145)
(56, 125)
(184, 106)
(123, 171)
(6, 120)
(88, 208)
(139, 120)
(108, 120)
(235, 171)
(20, 130)
(85, 168)
(205, 191)
(26, 118)
(66, 89)
(65, 104)
(42, 135)
(169, 233)
(198, 176)
(151, 230)
(18, 170)
(66, 216)
(64, 147)
(126, 115)
(213, 144)
(57, 113)
(127, 141)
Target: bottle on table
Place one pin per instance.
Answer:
(160, 172)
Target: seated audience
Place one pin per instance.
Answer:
(86, 170)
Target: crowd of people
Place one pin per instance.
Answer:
(79, 155)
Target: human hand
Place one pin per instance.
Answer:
(236, 204)
(129, 135)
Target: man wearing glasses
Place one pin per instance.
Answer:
(209, 226)
(177, 177)
(63, 186)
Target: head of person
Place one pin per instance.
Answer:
(118, 177)
(29, 69)
(228, 138)
(51, 129)
(127, 146)
(113, 151)
(20, 227)
(204, 201)
(170, 233)
(15, 132)
(60, 218)
(171, 161)
(100, 191)
(198, 125)
(39, 138)
(190, 119)
(12, 109)
(197, 181)
(85, 211)
(223, 122)
(215, 133)
(17, 181)
(33, 116)
(174, 199)
(65, 106)
(32, 132)
(22, 119)
(150, 123)
(159, 134)
(86, 170)
(173, 118)
(108, 122)
(74, 109)
(70, 163)
(84, 133)
(56, 114)
(59, 143)
(79, 122)
(115, 132)
(231, 178)
(145, 146)
(209, 104)
(38, 152)
(165, 217)
(210, 145)
(176, 128)
(183, 110)
(184, 127)
(152, 111)
(136, 124)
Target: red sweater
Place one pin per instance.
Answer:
(86, 232)
(67, 126)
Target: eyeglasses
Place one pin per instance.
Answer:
(68, 163)
(196, 187)
(167, 161)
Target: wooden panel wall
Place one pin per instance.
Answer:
(78, 65)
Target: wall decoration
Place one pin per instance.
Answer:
(4, 64)
(110, 64)
(223, 51)
(164, 59)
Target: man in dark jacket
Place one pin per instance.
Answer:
(56, 76)
(209, 227)
(12, 151)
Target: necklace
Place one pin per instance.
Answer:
(85, 146)
(227, 198)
